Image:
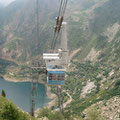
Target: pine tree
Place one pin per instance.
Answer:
(3, 93)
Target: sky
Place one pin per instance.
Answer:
(6, 2)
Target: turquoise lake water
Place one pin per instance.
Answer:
(19, 93)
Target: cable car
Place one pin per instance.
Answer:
(56, 75)
(56, 62)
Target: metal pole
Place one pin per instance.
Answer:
(36, 71)
(32, 97)
(60, 99)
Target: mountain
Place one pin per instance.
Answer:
(19, 28)
(94, 46)
(93, 79)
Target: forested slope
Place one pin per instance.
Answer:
(94, 72)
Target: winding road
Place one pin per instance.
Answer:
(66, 103)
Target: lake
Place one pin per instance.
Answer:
(19, 93)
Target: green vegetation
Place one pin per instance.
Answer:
(106, 15)
(45, 112)
(78, 78)
(23, 57)
(93, 114)
(3, 93)
(76, 35)
(56, 116)
(9, 111)
(101, 42)
(21, 72)
(11, 45)
(4, 64)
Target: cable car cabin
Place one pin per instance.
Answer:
(56, 78)
(56, 75)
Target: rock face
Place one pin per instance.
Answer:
(92, 56)
(112, 31)
(109, 110)
(87, 89)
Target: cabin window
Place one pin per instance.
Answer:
(62, 77)
(59, 77)
(50, 77)
(56, 76)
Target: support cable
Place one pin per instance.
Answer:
(37, 24)
(60, 98)
(59, 21)
(34, 84)
(60, 8)
(65, 4)
(58, 26)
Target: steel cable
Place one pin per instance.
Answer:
(59, 21)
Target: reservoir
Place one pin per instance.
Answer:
(19, 94)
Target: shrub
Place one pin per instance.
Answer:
(45, 112)
(56, 116)
(9, 112)
(93, 114)
(3, 93)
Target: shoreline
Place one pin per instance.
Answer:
(48, 92)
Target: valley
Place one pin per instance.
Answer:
(92, 84)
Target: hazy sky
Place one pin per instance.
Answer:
(6, 2)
